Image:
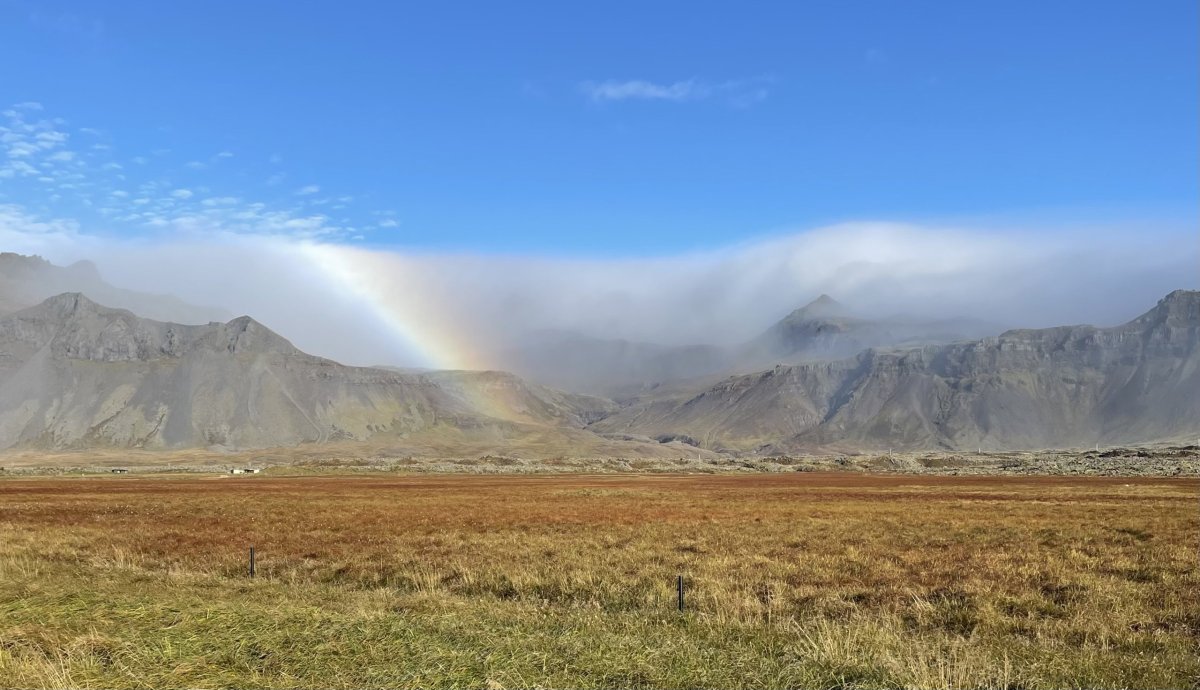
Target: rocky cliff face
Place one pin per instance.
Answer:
(74, 373)
(1023, 389)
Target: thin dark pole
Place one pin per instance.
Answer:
(251, 561)
(679, 591)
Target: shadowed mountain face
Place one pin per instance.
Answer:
(74, 374)
(27, 280)
(1063, 386)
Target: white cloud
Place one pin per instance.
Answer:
(22, 168)
(194, 165)
(182, 194)
(389, 223)
(50, 138)
(307, 190)
(221, 201)
(274, 265)
(22, 149)
(738, 93)
(644, 90)
(225, 154)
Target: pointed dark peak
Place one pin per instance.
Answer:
(823, 302)
(246, 334)
(69, 302)
(822, 307)
(243, 323)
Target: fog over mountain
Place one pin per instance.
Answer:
(1027, 388)
(371, 306)
(76, 374)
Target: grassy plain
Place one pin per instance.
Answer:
(794, 580)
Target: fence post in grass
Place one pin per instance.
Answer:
(251, 561)
(679, 592)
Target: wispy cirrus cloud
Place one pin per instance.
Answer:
(736, 92)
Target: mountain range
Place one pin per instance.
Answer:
(823, 329)
(75, 373)
(1068, 386)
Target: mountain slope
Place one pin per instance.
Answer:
(1026, 388)
(76, 374)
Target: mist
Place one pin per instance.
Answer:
(369, 306)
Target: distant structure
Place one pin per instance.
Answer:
(119, 470)
(245, 470)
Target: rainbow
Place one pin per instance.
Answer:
(394, 289)
(402, 295)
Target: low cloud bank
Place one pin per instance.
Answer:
(372, 306)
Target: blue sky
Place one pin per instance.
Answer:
(611, 129)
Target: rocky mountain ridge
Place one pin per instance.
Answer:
(74, 373)
(1066, 386)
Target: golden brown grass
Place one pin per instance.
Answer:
(796, 580)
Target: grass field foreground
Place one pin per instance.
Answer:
(796, 580)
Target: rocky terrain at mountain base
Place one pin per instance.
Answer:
(1156, 461)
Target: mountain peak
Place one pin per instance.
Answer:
(1181, 297)
(1179, 307)
(69, 303)
(822, 306)
(823, 302)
